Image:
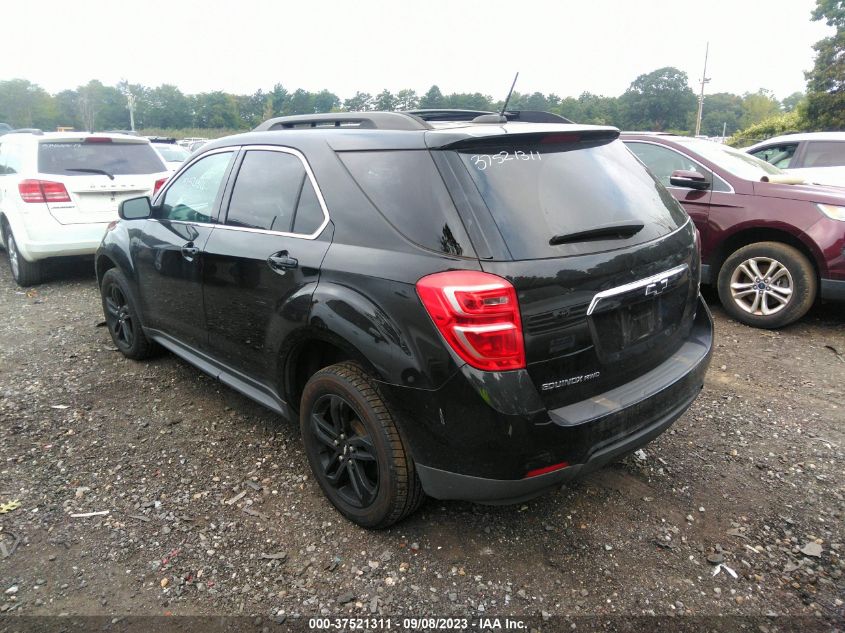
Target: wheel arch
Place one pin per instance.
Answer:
(752, 235)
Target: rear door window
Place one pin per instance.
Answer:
(545, 190)
(273, 192)
(115, 158)
(409, 192)
(824, 154)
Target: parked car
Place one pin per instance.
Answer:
(173, 155)
(473, 312)
(770, 247)
(817, 157)
(58, 191)
(5, 128)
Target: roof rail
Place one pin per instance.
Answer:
(342, 120)
(526, 116)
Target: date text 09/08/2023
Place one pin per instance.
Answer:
(415, 624)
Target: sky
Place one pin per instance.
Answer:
(565, 47)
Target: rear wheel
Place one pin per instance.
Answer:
(354, 448)
(25, 273)
(767, 284)
(122, 317)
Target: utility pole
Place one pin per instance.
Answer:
(704, 80)
(131, 99)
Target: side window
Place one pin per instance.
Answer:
(778, 155)
(409, 192)
(192, 197)
(10, 160)
(662, 161)
(824, 154)
(273, 192)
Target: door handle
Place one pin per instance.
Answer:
(281, 261)
(189, 251)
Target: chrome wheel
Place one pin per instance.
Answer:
(761, 286)
(13, 255)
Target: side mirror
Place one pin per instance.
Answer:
(135, 209)
(688, 179)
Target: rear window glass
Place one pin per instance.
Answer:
(540, 191)
(63, 158)
(825, 154)
(407, 189)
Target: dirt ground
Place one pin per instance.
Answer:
(211, 508)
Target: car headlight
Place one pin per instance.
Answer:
(833, 212)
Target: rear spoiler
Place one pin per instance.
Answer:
(504, 136)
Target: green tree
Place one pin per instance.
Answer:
(469, 101)
(216, 109)
(167, 107)
(251, 107)
(361, 102)
(300, 102)
(385, 101)
(791, 102)
(325, 101)
(25, 104)
(599, 110)
(407, 100)
(758, 106)
(658, 100)
(433, 99)
(826, 82)
(722, 110)
(278, 100)
(570, 108)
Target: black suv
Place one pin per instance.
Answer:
(469, 310)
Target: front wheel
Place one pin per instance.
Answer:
(354, 448)
(122, 317)
(767, 284)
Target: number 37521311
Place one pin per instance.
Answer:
(484, 161)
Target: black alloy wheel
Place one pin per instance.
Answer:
(119, 318)
(122, 319)
(346, 453)
(354, 447)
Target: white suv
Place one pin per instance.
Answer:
(817, 157)
(59, 191)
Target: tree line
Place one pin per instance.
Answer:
(661, 100)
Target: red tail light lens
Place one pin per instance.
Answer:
(159, 184)
(42, 191)
(97, 139)
(478, 315)
(545, 470)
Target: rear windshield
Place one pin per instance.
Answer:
(540, 191)
(66, 158)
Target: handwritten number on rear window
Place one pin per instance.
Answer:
(483, 161)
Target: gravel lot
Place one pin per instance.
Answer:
(211, 509)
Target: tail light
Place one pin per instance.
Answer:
(478, 315)
(97, 139)
(42, 191)
(545, 470)
(159, 184)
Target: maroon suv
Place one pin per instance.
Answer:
(771, 247)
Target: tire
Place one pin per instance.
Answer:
(354, 448)
(122, 317)
(24, 272)
(765, 301)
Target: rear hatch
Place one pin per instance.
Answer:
(603, 259)
(98, 172)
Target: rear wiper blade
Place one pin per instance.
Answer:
(615, 231)
(89, 170)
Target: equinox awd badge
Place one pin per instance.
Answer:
(567, 382)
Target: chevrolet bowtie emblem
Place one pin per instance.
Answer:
(656, 288)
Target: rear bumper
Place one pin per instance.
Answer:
(473, 454)
(39, 236)
(833, 289)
